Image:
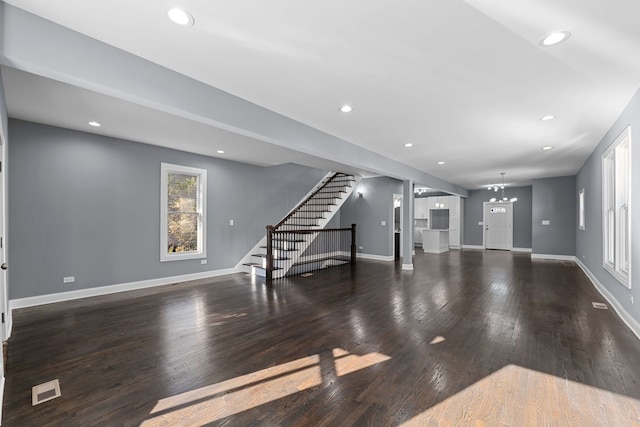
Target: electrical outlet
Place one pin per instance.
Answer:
(545, 222)
(231, 222)
(631, 298)
(383, 223)
(360, 247)
(69, 279)
(203, 261)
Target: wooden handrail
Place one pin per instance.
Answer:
(293, 211)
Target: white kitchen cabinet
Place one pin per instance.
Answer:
(420, 208)
(455, 221)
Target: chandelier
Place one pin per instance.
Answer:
(495, 188)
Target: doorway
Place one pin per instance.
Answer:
(498, 226)
(397, 226)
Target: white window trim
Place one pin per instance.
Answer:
(614, 268)
(581, 210)
(165, 169)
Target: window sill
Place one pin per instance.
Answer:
(620, 277)
(177, 256)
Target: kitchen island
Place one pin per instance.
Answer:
(435, 241)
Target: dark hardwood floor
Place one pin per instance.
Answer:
(467, 338)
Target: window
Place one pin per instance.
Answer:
(616, 176)
(183, 219)
(581, 221)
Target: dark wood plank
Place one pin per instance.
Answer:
(468, 337)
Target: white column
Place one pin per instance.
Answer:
(407, 225)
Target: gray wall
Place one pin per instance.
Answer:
(4, 117)
(368, 211)
(589, 241)
(554, 199)
(89, 206)
(522, 209)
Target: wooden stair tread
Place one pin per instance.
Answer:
(346, 259)
(256, 265)
(281, 249)
(274, 258)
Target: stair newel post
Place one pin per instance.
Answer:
(353, 245)
(269, 260)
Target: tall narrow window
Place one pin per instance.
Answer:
(183, 217)
(616, 176)
(581, 221)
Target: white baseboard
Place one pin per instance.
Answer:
(1, 395)
(528, 250)
(472, 247)
(554, 257)
(436, 251)
(9, 318)
(455, 247)
(112, 289)
(375, 257)
(613, 302)
(407, 267)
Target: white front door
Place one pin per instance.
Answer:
(498, 225)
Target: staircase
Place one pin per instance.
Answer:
(291, 241)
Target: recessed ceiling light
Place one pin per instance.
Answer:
(220, 151)
(555, 38)
(548, 147)
(346, 108)
(548, 117)
(94, 124)
(408, 145)
(180, 16)
(441, 163)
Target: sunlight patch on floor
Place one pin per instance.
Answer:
(226, 398)
(523, 397)
(346, 363)
(437, 340)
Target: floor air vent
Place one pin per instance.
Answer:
(600, 305)
(45, 392)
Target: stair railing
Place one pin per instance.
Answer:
(299, 221)
(329, 247)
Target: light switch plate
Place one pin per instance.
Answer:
(383, 222)
(480, 222)
(545, 222)
(230, 222)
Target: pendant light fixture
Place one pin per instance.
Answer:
(497, 187)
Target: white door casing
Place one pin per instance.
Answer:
(4, 298)
(401, 198)
(498, 225)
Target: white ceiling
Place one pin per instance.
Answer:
(46, 101)
(464, 81)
